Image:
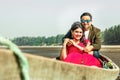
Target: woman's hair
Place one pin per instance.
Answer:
(86, 14)
(74, 26)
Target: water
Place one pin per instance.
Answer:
(45, 53)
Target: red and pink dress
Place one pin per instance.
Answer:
(74, 55)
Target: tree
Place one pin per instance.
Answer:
(38, 41)
(111, 35)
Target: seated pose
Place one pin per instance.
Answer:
(73, 48)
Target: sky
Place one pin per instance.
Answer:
(51, 17)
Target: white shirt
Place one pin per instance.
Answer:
(86, 34)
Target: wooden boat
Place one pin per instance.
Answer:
(14, 66)
(41, 68)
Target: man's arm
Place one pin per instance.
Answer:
(97, 41)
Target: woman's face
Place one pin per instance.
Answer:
(77, 33)
(86, 22)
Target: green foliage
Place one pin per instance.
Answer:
(102, 36)
(112, 35)
(38, 41)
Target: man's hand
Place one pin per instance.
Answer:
(88, 48)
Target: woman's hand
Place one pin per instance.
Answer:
(71, 42)
(66, 40)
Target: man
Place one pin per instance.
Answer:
(91, 33)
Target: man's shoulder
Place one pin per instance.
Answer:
(96, 29)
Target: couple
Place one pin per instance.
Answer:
(82, 42)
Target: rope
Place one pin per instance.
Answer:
(22, 59)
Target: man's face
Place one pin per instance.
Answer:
(86, 22)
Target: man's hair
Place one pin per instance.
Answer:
(86, 14)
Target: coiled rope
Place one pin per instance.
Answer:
(22, 59)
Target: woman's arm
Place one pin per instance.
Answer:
(63, 52)
(76, 45)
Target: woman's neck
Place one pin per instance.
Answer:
(76, 41)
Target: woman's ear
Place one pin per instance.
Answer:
(71, 33)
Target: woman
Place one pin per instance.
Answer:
(73, 48)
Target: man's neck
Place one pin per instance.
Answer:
(87, 29)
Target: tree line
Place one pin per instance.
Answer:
(110, 36)
(38, 41)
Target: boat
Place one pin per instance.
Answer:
(44, 68)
